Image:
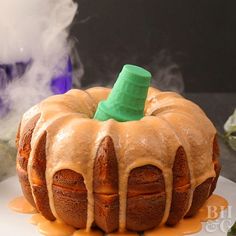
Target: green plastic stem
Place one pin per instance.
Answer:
(127, 99)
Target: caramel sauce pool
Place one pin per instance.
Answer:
(210, 211)
(20, 204)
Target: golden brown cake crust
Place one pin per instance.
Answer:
(146, 198)
(181, 188)
(105, 186)
(39, 187)
(200, 196)
(24, 148)
(69, 189)
(217, 165)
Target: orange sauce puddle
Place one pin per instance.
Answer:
(123, 234)
(36, 219)
(88, 233)
(55, 228)
(20, 204)
(210, 211)
(58, 228)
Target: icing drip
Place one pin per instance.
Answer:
(73, 139)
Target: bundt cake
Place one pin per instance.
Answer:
(131, 175)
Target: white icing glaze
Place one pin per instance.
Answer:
(73, 138)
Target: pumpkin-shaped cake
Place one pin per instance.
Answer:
(132, 175)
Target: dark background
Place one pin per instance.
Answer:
(200, 36)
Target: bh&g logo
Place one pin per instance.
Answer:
(222, 223)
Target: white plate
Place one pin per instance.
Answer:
(12, 223)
